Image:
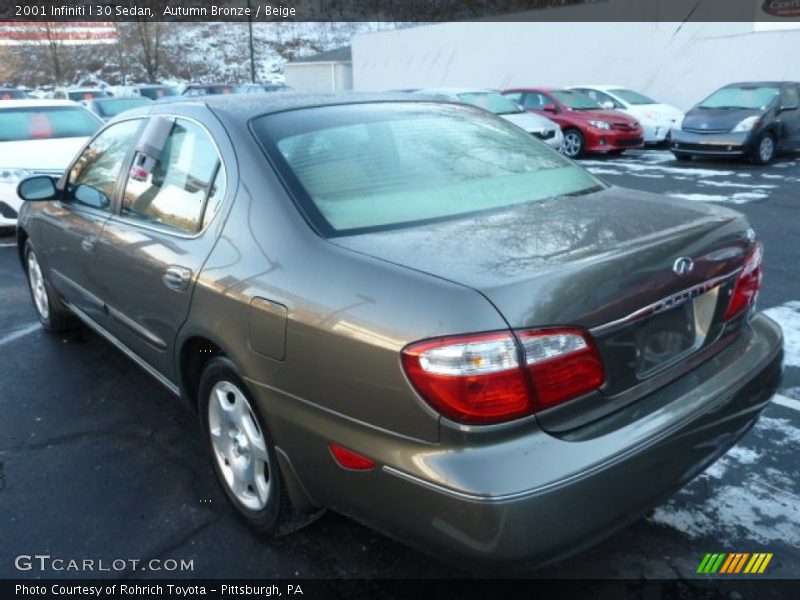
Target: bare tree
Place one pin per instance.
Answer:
(54, 51)
(149, 37)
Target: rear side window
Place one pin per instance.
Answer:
(173, 191)
(93, 177)
(44, 123)
(371, 166)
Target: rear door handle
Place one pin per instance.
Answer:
(88, 243)
(177, 278)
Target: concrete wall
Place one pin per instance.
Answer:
(319, 76)
(673, 62)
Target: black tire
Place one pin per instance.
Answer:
(54, 316)
(765, 149)
(574, 144)
(277, 516)
(682, 157)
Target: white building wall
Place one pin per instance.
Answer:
(319, 76)
(673, 62)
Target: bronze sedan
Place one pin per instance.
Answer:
(409, 311)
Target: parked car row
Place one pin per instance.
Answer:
(38, 137)
(408, 310)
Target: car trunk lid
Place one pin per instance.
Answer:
(605, 262)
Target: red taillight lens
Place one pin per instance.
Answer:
(479, 379)
(745, 291)
(563, 364)
(472, 379)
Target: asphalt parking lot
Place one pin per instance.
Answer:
(98, 461)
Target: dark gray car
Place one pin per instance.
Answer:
(411, 312)
(756, 120)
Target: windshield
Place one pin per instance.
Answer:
(751, 97)
(41, 123)
(364, 167)
(154, 93)
(12, 95)
(112, 107)
(632, 97)
(78, 95)
(576, 100)
(491, 101)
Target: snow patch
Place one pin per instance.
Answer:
(734, 184)
(788, 317)
(738, 198)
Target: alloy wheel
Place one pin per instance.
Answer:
(38, 289)
(572, 144)
(766, 149)
(239, 446)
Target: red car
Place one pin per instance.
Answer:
(587, 126)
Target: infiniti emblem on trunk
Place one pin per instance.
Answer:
(683, 266)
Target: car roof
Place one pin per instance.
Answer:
(604, 87)
(759, 83)
(32, 103)
(243, 107)
(454, 90)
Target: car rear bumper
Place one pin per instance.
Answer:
(710, 144)
(531, 495)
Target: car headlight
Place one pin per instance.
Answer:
(600, 124)
(13, 176)
(747, 124)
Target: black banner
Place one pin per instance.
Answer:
(398, 10)
(308, 589)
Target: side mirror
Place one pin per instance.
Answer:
(785, 108)
(608, 105)
(37, 188)
(551, 108)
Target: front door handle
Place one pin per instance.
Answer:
(88, 243)
(177, 278)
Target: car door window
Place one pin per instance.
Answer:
(790, 97)
(514, 97)
(535, 101)
(173, 190)
(601, 97)
(93, 177)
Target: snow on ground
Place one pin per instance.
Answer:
(737, 198)
(762, 508)
(788, 317)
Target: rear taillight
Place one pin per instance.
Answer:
(748, 283)
(563, 364)
(480, 379)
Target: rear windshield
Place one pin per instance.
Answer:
(12, 95)
(632, 97)
(112, 107)
(41, 123)
(366, 167)
(750, 97)
(154, 93)
(491, 101)
(78, 95)
(576, 100)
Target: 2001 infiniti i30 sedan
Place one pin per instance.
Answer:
(411, 312)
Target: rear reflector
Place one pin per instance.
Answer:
(480, 379)
(351, 460)
(748, 283)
